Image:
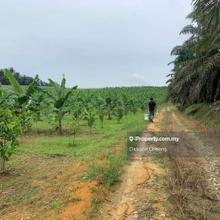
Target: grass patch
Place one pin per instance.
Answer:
(88, 147)
(46, 170)
(107, 173)
(205, 113)
(188, 192)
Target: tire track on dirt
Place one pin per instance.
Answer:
(140, 195)
(209, 161)
(143, 191)
(198, 174)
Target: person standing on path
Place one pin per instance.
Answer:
(152, 107)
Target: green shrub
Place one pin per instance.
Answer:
(10, 128)
(108, 173)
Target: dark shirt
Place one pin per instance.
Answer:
(152, 105)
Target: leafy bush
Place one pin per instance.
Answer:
(10, 128)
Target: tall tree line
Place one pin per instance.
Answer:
(22, 79)
(196, 73)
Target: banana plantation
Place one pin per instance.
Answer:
(22, 108)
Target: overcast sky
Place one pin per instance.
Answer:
(95, 43)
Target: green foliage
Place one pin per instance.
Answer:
(119, 111)
(2, 96)
(101, 111)
(90, 117)
(20, 99)
(133, 106)
(9, 131)
(61, 106)
(108, 173)
(196, 74)
(59, 96)
(37, 104)
(57, 102)
(109, 107)
(101, 114)
(25, 118)
(17, 88)
(208, 114)
(20, 78)
(21, 96)
(75, 124)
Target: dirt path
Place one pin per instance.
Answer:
(143, 192)
(140, 195)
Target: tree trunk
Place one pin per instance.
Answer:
(217, 91)
(109, 116)
(38, 116)
(74, 138)
(60, 126)
(2, 165)
(60, 118)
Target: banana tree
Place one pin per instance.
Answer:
(119, 111)
(1, 96)
(59, 95)
(90, 117)
(37, 104)
(21, 95)
(101, 111)
(20, 99)
(109, 107)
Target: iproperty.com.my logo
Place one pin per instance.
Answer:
(153, 139)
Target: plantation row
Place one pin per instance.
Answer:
(21, 107)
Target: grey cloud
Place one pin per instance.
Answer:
(95, 43)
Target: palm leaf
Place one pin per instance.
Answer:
(69, 92)
(176, 50)
(54, 85)
(189, 29)
(49, 94)
(63, 83)
(17, 88)
(62, 87)
(32, 87)
(1, 91)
